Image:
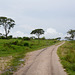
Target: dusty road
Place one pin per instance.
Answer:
(42, 62)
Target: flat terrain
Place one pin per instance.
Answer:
(13, 51)
(42, 62)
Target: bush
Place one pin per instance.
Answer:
(9, 37)
(15, 42)
(26, 38)
(2, 37)
(26, 44)
(19, 37)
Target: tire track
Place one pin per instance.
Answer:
(51, 60)
(45, 62)
(33, 62)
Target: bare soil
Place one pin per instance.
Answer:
(4, 63)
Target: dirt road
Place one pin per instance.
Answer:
(42, 62)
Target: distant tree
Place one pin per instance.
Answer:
(58, 38)
(7, 24)
(67, 38)
(72, 33)
(26, 38)
(38, 32)
(10, 37)
(33, 37)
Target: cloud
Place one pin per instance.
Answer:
(55, 16)
(49, 33)
(52, 33)
(19, 34)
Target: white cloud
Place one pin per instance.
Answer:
(19, 34)
(32, 14)
(52, 33)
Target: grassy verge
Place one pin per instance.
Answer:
(67, 56)
(17, 48)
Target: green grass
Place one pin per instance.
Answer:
(17, 48)
(67, 56)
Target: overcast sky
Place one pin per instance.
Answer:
(56, 17)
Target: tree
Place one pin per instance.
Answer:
(38, 32)
(72, 33)
(7, 24)
(58, 38)
(67, 38)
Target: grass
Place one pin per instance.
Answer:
(17, 48)
(67, 56)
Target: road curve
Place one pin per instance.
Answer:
(43, 62)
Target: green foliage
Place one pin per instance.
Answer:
(58, 38)
(14, 42)
(26, 38)
(26, 44)
(38, 32)
(9, 37)
(19, 37)
(67, 56)
(7, 24)
(17, 48)
(72, 33)
(2, 37)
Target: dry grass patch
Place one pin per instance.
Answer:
(4, 63)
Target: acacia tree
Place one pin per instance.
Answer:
(7, 24)
(58, 38)
(38, 32)
(72, 33)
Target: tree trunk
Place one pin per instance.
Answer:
(6, 35)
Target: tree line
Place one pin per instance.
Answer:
(8, 24)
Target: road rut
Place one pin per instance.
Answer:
(43, 62)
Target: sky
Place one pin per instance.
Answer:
(56, 17)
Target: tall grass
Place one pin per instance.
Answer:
(17, 48)
(67, 56)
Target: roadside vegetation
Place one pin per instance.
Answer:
(67, 56)
(14, 51)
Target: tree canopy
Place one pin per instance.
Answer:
(72, 33)
(7, 24)
(38, 32)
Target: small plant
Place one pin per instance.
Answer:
(26, 44)
(15, 42)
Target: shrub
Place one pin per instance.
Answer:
(15, 42)
(26, 44)
(2, 37)
(19, 37)
(26, 38)
(9, 37)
